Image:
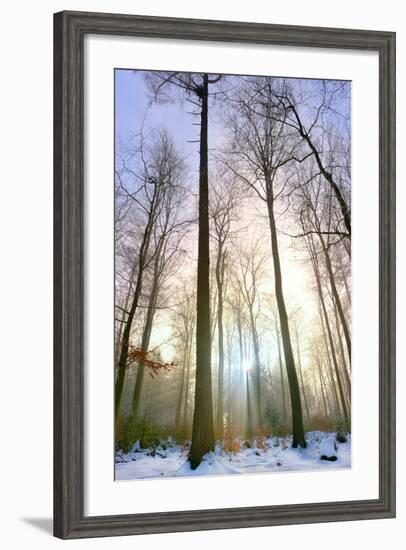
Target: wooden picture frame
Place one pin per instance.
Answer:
(69, 31)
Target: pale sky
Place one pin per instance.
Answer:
(132, 109)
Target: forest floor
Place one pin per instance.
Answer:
(274, 454)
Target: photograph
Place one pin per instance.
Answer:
(200, 235)
(232, 277)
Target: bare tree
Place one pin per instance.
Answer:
(258, 152)
(308, 128)
(185, 321)
(249, 269)
(224, 202)
(195, 87)
(313, 254)
(169, 231)
(152, 173)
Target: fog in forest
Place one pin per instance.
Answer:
(232, 274)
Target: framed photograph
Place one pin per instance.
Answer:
(224, 275)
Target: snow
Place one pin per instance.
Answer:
(328, 447)
(211, 465)
(275, 455)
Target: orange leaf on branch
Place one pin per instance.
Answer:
(141, 357)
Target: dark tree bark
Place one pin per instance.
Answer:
(122, 318)
(196, 88)
(203, 432)
(296, 405)
(282, 377)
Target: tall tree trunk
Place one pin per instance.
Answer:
(337, 299)
(335, 364)
(203, 431)
(282, 377)
(344, 276)
(330, 375)
(122, 320)
(146, 335)
(330, 337)
(344, 368)
(347, 247)
(297, 417)
(125, 343)
(299, 362)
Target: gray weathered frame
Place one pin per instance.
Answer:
(69, 31)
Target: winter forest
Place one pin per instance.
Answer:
(232, 274)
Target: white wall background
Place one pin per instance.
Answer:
(26, 270)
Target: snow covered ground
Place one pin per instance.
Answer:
(273, 455)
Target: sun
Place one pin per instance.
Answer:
(246, 365)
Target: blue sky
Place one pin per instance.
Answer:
(132, 105)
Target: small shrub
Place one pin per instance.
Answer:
(119, 432)
(126, 433)
(260, 440)
(341, 426)
(181, 435)
(149, 435)
(281, 430)
(132, 429)
(231, 443)
(320, 423)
